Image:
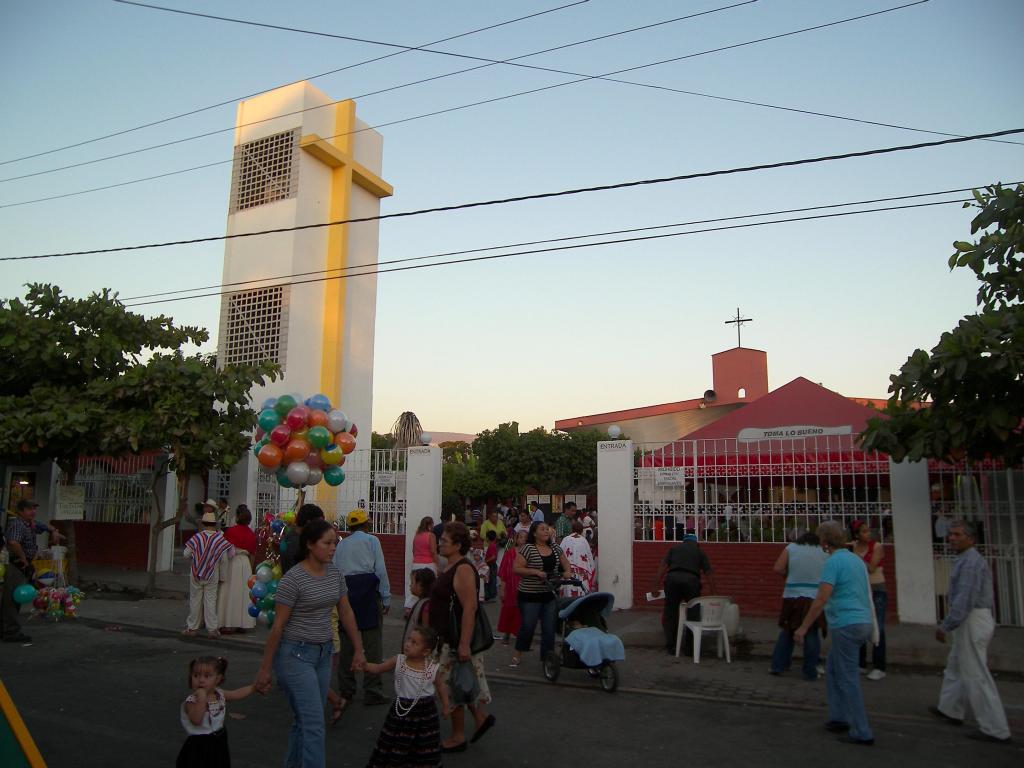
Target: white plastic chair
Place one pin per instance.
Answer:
(712, 619)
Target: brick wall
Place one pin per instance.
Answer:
(125, 545)
(742, 572)
(393, 545)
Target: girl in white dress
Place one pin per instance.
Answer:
(411, 735)
(202, 715)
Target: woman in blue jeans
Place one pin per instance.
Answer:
(537, 561)
(801, 564)
(300, 644)
(846, 599)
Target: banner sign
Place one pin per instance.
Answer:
(669, 477)
(756, 434)
(70, 502)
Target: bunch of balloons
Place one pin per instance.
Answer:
(55, 603)
(262, 588)
(304, 442)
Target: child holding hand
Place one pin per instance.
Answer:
(203, 712)
(411, 736)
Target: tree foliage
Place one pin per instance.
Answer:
(965, 398)
(86, 377)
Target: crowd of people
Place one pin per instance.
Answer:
(835, 583)
(330, 604)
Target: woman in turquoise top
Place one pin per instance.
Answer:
(846, 600)
(801, 564)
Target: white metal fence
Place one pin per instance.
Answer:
(763, 491)
(375, 480)
(116, 490)
(993, 499)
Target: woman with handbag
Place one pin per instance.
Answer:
(457, 628)
(538, 562)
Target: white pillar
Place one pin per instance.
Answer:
(615, 520)
(167, 491)
(912, 539)
(422, 491)
(243, 485)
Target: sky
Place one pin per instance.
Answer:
(536, 338)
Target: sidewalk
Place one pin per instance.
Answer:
(908, 645)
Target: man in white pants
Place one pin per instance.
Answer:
(971, 624)
(205, 550)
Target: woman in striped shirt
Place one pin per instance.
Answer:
(538, 561)
(300, 644)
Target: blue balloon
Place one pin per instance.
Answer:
(320, 402)
(276, 525)
(259, 589)
(254, 611)
(270, 402)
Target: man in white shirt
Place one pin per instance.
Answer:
(536, 513)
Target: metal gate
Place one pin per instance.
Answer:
(993, 498)
(762, 491)
(375, 480)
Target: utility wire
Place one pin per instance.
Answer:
(578, 246)
(199, 110)
(562, 239)
(538, 195)
(490, 101)
(490, 63)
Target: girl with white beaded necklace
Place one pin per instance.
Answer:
(411, 735)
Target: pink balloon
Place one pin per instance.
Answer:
(313, 460)
(280, 435)
(296, 418)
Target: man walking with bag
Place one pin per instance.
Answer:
(361, 560)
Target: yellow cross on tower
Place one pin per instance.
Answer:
(337, 153)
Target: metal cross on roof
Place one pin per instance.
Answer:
(739, 321)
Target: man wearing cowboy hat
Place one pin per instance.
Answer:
(359, 556)
(206, 550)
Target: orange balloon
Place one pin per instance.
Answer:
(270, 456)
(296, 450)
(317, 419)
(345, 441)
(252, 580)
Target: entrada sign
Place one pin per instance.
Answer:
(755, 434)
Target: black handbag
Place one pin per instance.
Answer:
(483, 635)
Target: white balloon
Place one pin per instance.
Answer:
(262, 619)
(614, 431)
(337, 421)
(298, 472)
(315, 476)
(264, 574)
(425, 438)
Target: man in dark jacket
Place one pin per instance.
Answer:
(680, 571)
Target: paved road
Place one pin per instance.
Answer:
(94, 697)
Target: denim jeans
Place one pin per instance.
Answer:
(783, 653)
(842, 679)
(303, 671)
(531, 613)
(880, 599)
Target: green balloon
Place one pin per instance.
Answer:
(319, 437)
(334, 475)
(268, 419)
(284, 404)
(270, 618)
(265, 604)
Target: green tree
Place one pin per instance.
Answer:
(965, 398)
(86, 377)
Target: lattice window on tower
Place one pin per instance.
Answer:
(265, 170)
(253, 326)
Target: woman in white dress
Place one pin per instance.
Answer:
(233, 596)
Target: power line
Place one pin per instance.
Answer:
(538, 195)
(561, 239)
(490, 63)
(578, 246)
(199, 110)
(506, 97)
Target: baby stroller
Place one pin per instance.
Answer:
(583, 638)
